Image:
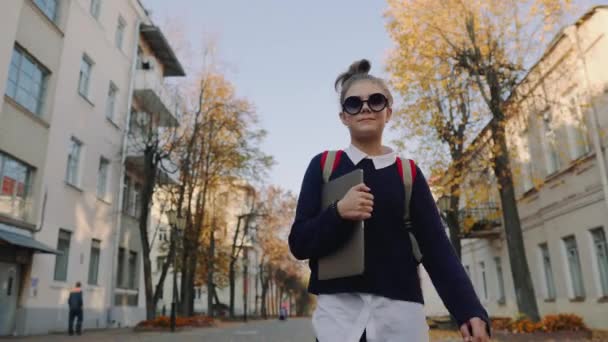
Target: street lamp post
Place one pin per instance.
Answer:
(177, 223)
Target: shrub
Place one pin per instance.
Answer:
(550, 323)
(165, 322)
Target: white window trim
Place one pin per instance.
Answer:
(548, 144)
(121, 27)
(568, 273)
(95, 9)
(595, 265)
(87, 94)
(483, 279)
(111, 110)
(77, 181)
(103, 196)
(544, 276)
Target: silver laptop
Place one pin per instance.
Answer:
(349, 259)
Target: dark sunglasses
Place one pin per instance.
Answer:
(353, 104)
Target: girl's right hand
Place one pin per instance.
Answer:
(357, 204)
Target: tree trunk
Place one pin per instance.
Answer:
(150, 167)
(264, 295)
(210, 263)
(524, 289)
(232, 275)
(453, 222)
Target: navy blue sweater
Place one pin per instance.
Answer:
(390, 267)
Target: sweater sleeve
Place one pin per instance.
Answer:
(316, 232)
(439, 258)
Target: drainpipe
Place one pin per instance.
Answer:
(572, 33)
(123, 157)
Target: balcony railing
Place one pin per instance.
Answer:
(483, 221)
(156, 98)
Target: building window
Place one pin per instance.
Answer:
(120, 270)
(549, 280)
(48, 7)
(501, 281)
(102, 177)
(86, 66)
(525, 161)
(111, 101)
(95, 8)
(482, 267)
(574, 266)
(132, 284)
(132, 197)
(94, 261)
(26, 81)
(73, 166)
(160, 261)
(15, 178)
(61, 260)
(120, 32)
(578, 137)
(601, 253)
(550, 144)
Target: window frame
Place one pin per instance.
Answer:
(93, 277)
(60, 273)
(15, 87)
(550, 148)
(19, 191)
(95, 9)
(72, 175)
(549, 276)
(44, 8)
(500, 280)
(111, 101)
(601, 261)
(106, 176)
(86, 84)
(132, 275)
(575, 272)
(121, 28)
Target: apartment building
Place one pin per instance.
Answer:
(73, 72)
(556, 129)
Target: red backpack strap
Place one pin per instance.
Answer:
(407, 171)
(329, 162)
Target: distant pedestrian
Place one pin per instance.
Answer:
(385, 302)
(75, 305)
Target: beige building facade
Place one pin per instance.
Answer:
(557, 138)
(73, 72)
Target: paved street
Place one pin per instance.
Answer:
(293, 330)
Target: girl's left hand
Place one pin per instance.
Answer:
(474, 331)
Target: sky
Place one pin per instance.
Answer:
(284, 56)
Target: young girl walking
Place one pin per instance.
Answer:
(384, 303)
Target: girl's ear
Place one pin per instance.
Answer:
(389, 114)
(343, 118)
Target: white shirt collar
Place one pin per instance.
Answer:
(380, 162)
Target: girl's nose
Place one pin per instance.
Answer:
(365, 108)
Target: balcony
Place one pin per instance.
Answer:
(481, 222)
(156, 98)
(135, 163)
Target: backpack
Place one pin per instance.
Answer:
(330, 161)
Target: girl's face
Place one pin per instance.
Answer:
(368, 123)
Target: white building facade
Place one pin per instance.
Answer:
(557, 140)
(71, 74)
